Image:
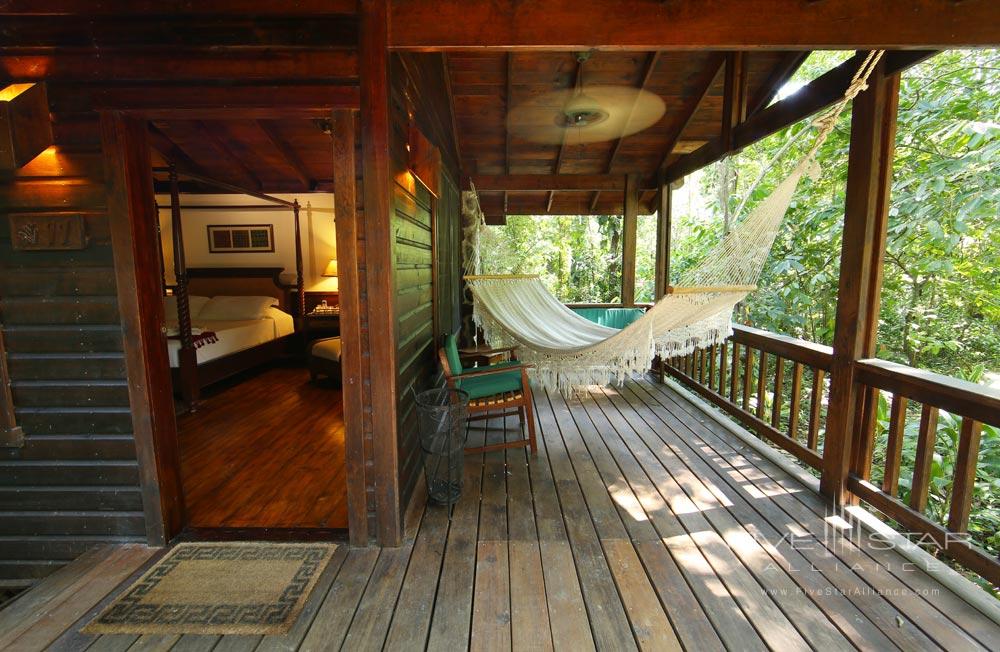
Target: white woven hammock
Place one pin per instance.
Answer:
(569, 351)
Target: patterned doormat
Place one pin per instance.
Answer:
(218, 588)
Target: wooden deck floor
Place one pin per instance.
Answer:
(640, 524)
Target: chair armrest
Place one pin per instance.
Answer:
(487, 372)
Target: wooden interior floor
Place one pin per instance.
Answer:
(266, 452)
(641, 524)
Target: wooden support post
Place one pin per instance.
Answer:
(353, 375)
(630, 225)
(128, 176)
(868, 176)
(734, 97)
(664, 221)
(377, 181)
(10, 433)
(300, 288)
(187, 356)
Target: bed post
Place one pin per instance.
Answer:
(299, 281)
(187, 360)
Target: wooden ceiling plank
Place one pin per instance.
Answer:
(171, 151)
(250, 179)
(506, 128)
(562, 143)
(647, 72)
(692, 24)
(691, 105)
(288, 154)
(517, 183)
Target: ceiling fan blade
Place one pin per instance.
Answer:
(627, 110)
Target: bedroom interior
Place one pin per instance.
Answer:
(252, 321)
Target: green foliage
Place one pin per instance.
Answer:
(577, 256)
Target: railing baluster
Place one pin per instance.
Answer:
(894, 445)
(861, 456)
(812, 438)
(747, 378)
(735, 380)
(761, 385)
(925, 455)
(965, 475)
(713, 352)
(793, 409)
(723, 363)
(779, 386)
(701, 366)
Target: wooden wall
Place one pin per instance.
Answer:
(75, 482)
(424, 229)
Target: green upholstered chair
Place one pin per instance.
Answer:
(495, 390)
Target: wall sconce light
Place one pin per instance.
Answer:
(425, 159)
(331, 269)
(25, 128)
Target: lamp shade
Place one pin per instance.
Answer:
(331, 268)
(25, 129)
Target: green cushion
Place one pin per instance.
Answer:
(481, 386)
(610, 317)
(451, 352)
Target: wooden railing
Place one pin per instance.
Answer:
(913, 392)
(776, 386)
(772, 384)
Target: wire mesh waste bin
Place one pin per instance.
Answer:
(442, 414)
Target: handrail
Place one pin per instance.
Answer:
(810, 353)
(952, 394)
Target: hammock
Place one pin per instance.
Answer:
(569, 351)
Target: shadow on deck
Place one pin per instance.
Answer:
(641, 523)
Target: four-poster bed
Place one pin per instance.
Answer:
(222, 335)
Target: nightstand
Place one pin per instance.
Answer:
(317, 326)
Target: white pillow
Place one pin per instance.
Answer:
(195, 304)
(224, 308)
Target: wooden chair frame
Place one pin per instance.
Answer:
(509, 404)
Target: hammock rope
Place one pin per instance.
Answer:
(569, 351)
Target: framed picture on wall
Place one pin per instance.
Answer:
(240, 238)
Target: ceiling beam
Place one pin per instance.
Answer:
(574, 80)
(649, 25)
(815, 96)
(288, 154)
(787, 67)
(506, 129)
(647, 72)
(691, 105)
(171, 151)
(734, 96)
(553, 182)
(248, 178)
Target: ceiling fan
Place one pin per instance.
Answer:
(585, 113)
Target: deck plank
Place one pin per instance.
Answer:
(608, 621)
(641, 523)
(923, 618)
(530, 627)
(491, 600)
(841, 612)
(452, 616)
(337, 609)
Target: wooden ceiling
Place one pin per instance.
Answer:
(259, 155)
(485, 85)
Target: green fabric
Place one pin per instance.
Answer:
(611, 317)
(482, 386)
(451, 352)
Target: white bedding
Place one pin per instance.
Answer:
(235, 336)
